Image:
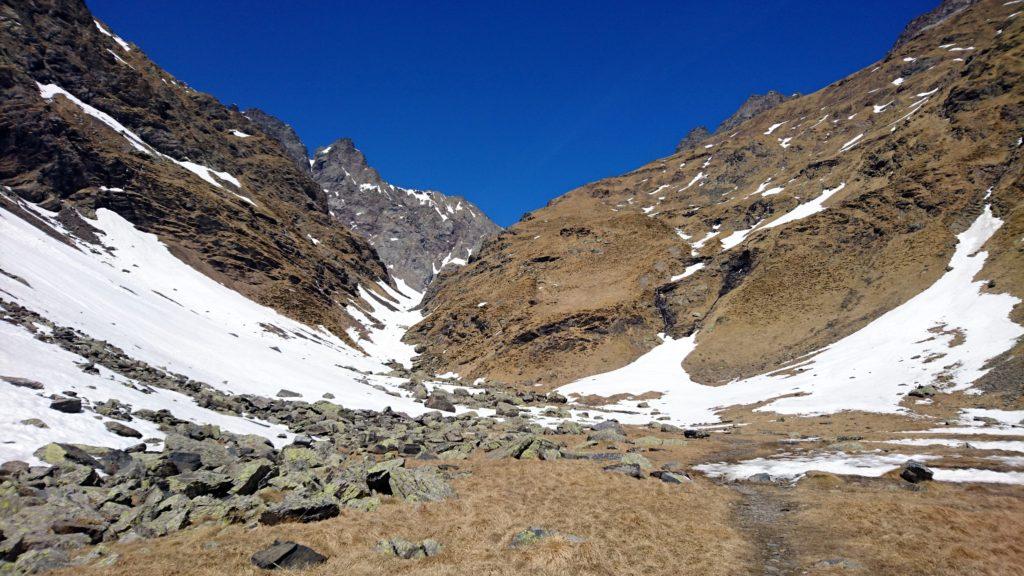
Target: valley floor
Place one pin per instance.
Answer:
(817, 523)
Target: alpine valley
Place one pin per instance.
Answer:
(795, 345)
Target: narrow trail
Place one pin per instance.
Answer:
(762, 515)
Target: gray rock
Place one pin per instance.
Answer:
(914, 472)
(22, 382)
(299, 509)
(59, 453)
(200, 483)
(287, 555)
(423, 484)
(122, 430)
(631, 470)
(671, 477)
(285, 393)
(39, 561)
(535, 534)
(439, 400)
(67, 405)
(251, 476)
(408, 550)
(414, 232)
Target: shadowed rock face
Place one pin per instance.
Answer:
(250, 229)
(906, 150)
(283, 133)
(417, 233)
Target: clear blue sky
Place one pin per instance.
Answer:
(509, 104)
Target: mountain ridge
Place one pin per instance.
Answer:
(687, 243)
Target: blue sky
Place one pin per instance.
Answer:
(509, 104)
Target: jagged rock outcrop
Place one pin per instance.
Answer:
(417, 233)
(275, 128)
(693, 138)
(944, 10)
(771, 239)
(88, 122)
(754, 105)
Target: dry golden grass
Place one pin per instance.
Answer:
(631, 527)
(945, 529)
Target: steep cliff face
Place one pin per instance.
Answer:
(284, 134)
(795, 228)
(417, 233)
(88, 122)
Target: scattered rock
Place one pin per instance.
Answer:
(34, 422)
(122, 430)
(914, 472)
(22, 382)
(67, 405)
(285, 393)
(671, 477)
(59, 453)
(298, 509)
(439, 400)
(534, 534)
(631, 470)
(407, 550)
(922, 392)
(287, 555)
(694, 433)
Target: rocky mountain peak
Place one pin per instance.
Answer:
(417, 233)
(754, 105)
(341, 160)
(693, 138)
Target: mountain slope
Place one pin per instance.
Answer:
(88, 122)
(159, 252)
(798, 228)
(417, 233)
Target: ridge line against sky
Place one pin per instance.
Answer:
(509, 106)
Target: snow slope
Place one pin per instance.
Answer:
(133, 293)
(870, 370)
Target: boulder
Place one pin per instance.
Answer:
(39, 561)
(914, 472)
(408, 550)
(59, 453)
(534, 534)
(122, 430)
(300, 509)
(669, 477)
(67, 405)
(634, 458)
(185, 461)
(423, 484)
(439, 400)
(506, 410)
(22, 382)
(285, 393)
(287, 555)
(695, 433)
(200, 483)
(249, 477)
(631, 470)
